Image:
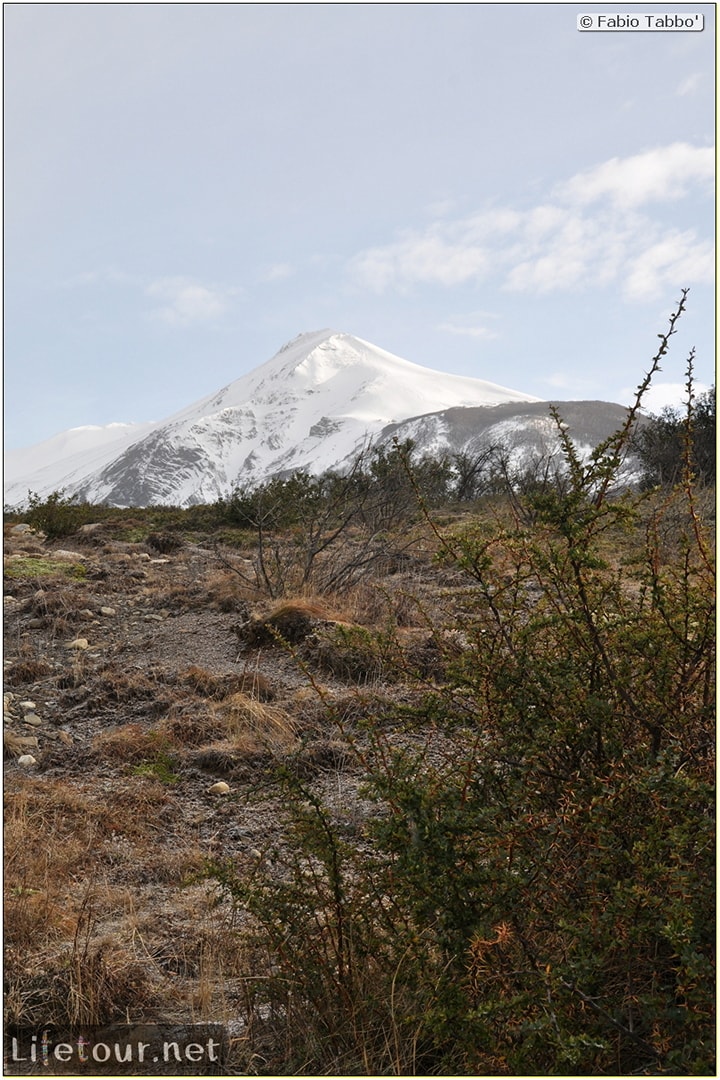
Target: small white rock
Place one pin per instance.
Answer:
(221, 788)
(68, 556)
(107, 611)
(28, 706)
(27, 760)
(32, 719)
(78, 643)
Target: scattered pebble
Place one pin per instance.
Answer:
(221, 788)
(107, 611)
(27, 760)
(69, 556)
(28, 706)
(78, 643)
(32, 719)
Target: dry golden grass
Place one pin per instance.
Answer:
(85, 984)
(28, 668)
(136, 811)
(228, 591)
(53, 835)
(129, 744)
(178, 865)
(15, 745)
(289, 622)
(209, 685)
(252, 725)
(191, 726)
(63, 601)
(71, 955)
(115, 685)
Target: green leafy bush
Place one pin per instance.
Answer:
(533, 892)
(58, 516)
(660, 444)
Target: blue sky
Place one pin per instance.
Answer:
(478, 188)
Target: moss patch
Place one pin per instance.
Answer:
(36, 566)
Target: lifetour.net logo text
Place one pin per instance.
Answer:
(119, 1049)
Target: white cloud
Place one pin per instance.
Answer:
(570, 384)
(278, 272)
(566, 244)
(678, 257)
(655, 175)
(481, 332)
(188, 301)
(661, 395)
(419, 257)
(108, 274)
(445, 253)
(689, 85)
(440, 209)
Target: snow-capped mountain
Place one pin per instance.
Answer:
(520, 431)
(313, 405)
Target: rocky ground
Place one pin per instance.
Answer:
(147, 697)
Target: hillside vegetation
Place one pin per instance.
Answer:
(387, 777)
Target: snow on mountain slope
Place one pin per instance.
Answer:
(71, 454)
(319, 399)
(522, 432)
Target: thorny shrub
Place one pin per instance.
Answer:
(537, 898)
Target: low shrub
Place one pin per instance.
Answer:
(57, 515)
(533, 890)
(26, 670)
(355, 654)
(289, 623)
(266, 725)
(164, 542)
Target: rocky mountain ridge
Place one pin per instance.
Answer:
(322, 398)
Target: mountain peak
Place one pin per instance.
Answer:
(311, 406)
(308, 339)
